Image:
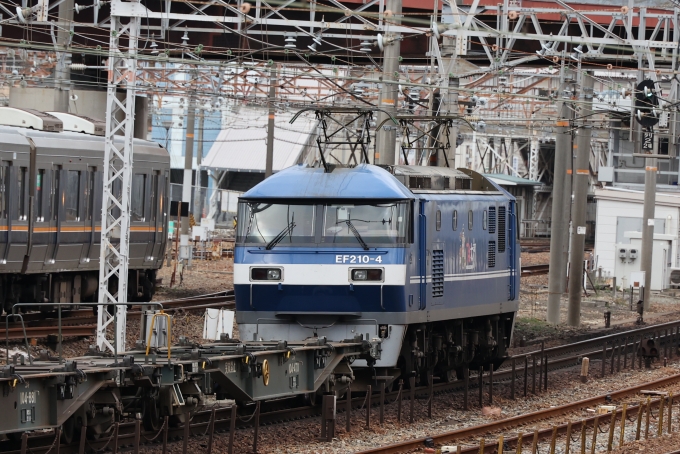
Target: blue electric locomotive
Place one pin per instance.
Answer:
(424, 258)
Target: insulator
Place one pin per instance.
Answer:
(78, 67)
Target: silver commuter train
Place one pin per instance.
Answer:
(50, 211)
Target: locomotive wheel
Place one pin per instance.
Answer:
(151, 414)
(451, 376)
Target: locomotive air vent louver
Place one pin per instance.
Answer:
(437, 273)
(492, 219)
(501, 229)
(491, 257)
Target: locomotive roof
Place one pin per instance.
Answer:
(365, 181)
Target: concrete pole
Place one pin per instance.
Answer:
(62, 71)
(198, 197)
(567, 202)
(186, 182)
(269, 162)
(559, 223)
(580, 186)
(386, 137)
(648, 223)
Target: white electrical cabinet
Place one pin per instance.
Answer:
(628, 259)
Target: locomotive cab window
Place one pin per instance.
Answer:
(366, 224)
(470, 219)
(455, 219)
(438, 223)
(271, 224)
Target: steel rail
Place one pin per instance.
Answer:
(528, 418)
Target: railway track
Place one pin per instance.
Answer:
(83, 322)
(272, 412)
(534, 270)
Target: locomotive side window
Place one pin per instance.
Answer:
(438, 222)
(455, 219)
(470, 219)
(485, 220)
(137, 197)
(72, 196)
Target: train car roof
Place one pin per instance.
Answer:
(72, 142)
(363, 182)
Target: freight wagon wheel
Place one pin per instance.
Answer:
(151, 414)
(68, 431)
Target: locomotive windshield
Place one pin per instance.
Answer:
(347, 223)
(338, 223)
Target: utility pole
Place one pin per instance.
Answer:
(648, 223)
(198, 197)
(184, 250)
(386, 137)
(269, 162)
(559, 224)
(580, 186)
(62, 71)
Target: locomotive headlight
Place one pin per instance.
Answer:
(265, 274)
(367, 274)
(359, 275)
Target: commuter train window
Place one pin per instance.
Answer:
(438, 221)
(56, 185)
(470, 219)
(365, 224)
(154, 195)
(272, 224)
(455, 219)
(485, 220)
(72, 196)
(4, 175)
(137, 197)
(91, 175)
(22, 184)
(40, 182)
